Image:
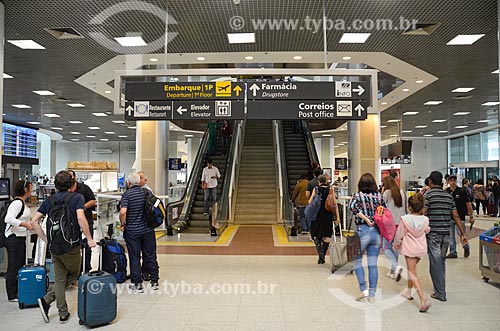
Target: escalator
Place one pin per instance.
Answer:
(191, 218)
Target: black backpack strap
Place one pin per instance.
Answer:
(22, 208)
(69, 196)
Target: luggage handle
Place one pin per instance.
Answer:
(341, 235)
(99, 267)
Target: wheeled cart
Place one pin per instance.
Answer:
(489, 254)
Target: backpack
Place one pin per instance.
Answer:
(312, 209)
(385, 223)
(114, 260)
(63, 230)
(154, 209)
(3, 225)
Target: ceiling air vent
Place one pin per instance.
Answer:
(64, 33)
(422, 29)
(102, 151)
(61, 99)
(462, 97)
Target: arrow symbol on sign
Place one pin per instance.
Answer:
(254, 88)
(237, 90)
(360, 90)
(181, 110)
(130, 109)
(360, 109)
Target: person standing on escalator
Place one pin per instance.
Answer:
(209, 183)
(227, 132)
(212, 137)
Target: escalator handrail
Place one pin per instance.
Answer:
(286, 205)
(311, 148)
(280, 165)
(233, 186)
(192, 183)
(223, 208)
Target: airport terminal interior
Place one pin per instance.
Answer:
(227, 109)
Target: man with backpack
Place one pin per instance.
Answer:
(66, 221)
(139, 237)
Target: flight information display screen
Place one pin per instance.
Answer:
(19, 141)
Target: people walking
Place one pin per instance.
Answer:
(410, 238)
(363, 206)
(463, 205)
(480, 196)
(299, 198)
(209, 178)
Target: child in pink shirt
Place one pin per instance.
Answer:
(410, 237)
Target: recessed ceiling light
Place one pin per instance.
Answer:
(439, 121)
(188, 135)
(344, 142)
(200, 58)
(44, 93)
(76, 105)
(442, 131)
(461, 127)
(354, 38)
(131, 41)
(90, 136)
(122, 136)
(383, 126)
(406, 131)
(493, 72)
(465, 39)
(107, 92)
(433, 103)
(241, 38)
(94, 128)
(384, 103)
(34, 123)
(109, 132)
(428, 135)
(119, 122)
(75, 122)
(463, 89)
(483, 121)
(26, 44)
(249, 57)
(56, 128)
(5, 76)
(51, 115)
(394, 135)
(100, 114)
(410, 113)
(132, 127)
(326, 135)
(75, 139)
(297, 57)
(462, 113)
(153, 59)
(491, 103)
(420, 126)
(75, 132)
(406, 90)
(419, 81)
(21, 106)
(392, 121)
(104, 139)
(346, 58)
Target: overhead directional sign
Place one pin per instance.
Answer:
(308, 90)
(308, 110)
(184, 91)
(186, 110)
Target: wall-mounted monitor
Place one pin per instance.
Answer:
(4, 189)
(19, 144)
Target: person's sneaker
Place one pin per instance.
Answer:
(391, 275)
(65, 319)
(398, 272)
(451, 256)
(205, 213)
(136, 288)
(304, 232)
(155, 286)
(13, 300)
(363, 295)
(44, 309)
(371, 299)
(466, 252)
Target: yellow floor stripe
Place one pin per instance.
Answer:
(283, 238)
(224, 239)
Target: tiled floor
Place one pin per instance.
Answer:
(284, 293)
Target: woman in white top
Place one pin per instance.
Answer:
(411, 238)
(17, 224)
(395, 199)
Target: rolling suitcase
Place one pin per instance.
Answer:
(338, 251)
(96, 297)
(32, 279)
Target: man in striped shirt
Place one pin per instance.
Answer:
(440, 209)
(140, 238)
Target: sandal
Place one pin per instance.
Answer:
(406, 296)
(425, 307)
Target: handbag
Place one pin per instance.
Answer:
(353, 244)
(312, 209)
(330, 202)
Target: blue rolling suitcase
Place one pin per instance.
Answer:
(96, 298)
(32, 281)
